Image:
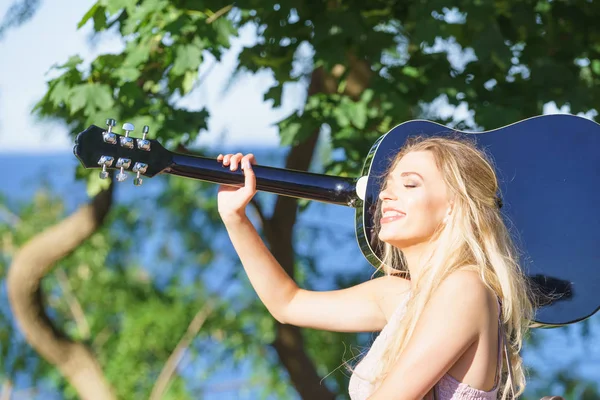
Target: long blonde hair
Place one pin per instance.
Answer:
(476, 238)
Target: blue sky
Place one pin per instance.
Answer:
(28, 52)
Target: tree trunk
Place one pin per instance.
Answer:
(289, 343)
(30, 264)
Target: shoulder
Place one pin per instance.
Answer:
(464, 293)
(464, 282)
(389, 291)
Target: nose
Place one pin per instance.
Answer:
(386, 194)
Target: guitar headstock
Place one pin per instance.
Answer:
(103, 148)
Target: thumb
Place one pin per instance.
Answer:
(249, 176)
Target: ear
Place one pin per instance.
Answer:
(448, 212)
(450, 208)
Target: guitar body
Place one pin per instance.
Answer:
(549, 174)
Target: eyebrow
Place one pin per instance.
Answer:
(411, 173)
(402, 175)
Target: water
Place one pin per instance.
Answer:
(337, 252)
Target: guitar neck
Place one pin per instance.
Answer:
(285, 182)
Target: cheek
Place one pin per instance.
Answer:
(427, 210)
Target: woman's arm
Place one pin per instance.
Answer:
(356, 309)
(451, 322)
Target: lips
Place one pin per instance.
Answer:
(392, 211)
(391, 214)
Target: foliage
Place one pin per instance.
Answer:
(17, 14)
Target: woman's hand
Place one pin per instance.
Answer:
(231, 200)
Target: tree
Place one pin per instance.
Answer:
(366, 67)
(17, 14)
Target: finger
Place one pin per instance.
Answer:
(246, 160)
(226, 159)
(220, 157)
(234, 160)
(250, 158)
(249, 177)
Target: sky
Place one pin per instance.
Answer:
(28, 52)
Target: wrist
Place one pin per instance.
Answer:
(233, 217)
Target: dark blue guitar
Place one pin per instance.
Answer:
(549, 172)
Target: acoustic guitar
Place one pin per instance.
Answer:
(549, 172)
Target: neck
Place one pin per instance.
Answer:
(415, 257)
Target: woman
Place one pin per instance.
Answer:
(450, 275)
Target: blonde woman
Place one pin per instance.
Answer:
(452, 301)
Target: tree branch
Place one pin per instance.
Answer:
(29, 266)
(176, 356)
(6, 390)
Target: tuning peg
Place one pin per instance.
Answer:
(140, 168)
(105, 161)
(126, 141)
(108, 136)
(128, 127)
(143, 143)
(122, 163)
(111, 124)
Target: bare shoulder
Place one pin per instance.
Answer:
(464, 289)
(389, 292)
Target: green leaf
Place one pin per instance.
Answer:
(274, 93)
(88, 15)
(91, 97)
(60, 93)
(95, 185)
(288, 133)
(188, 57)
(127, 74)
(359, 116)
(112, 6)
(596, 66)
(189, 79)
(138, 54)
(71, 63)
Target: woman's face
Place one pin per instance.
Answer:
(415, 201)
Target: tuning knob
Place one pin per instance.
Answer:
(143, 143)
(105, 161)
(128, 127)
(122, 163)
(140, 168)
(126, 141)
(109, 136)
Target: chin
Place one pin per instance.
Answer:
(401, 241)
(396, 241)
